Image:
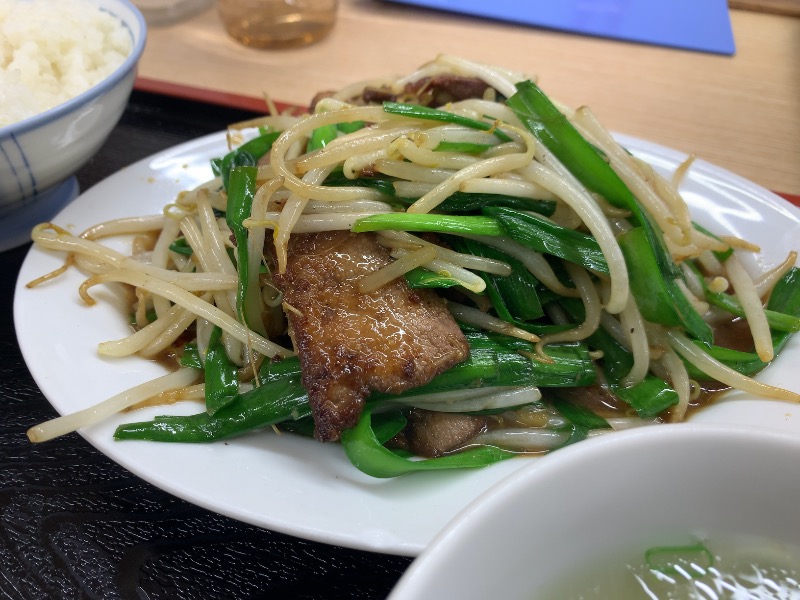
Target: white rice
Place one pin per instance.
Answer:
(54, 50)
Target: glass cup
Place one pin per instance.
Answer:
(277, 23)
(166, 12)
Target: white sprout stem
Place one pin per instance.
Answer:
(65, 242)
(509, 187)
(622, 423)
(431, 138)
(171, 333)
(710, 264)
(627, 168)
(161, 258)
(365, 141)
(124, 226)
(395, 269)
(413, 173)
(767, 281)
(487, 108)
(633, 328)
(592, 216)
(354, 166)
(215, 243)
(533, 261)
(591, 304)
(191, 302)
(303, 129)
(681, 383)
(205, 255)
(255, 246)
(716, 370)
(213, 238)
(753, 309)
(465, 278)
(144, 336)
(523, 439)
(694, 281)
(365, 207)
(291, 212)
(488, 398)
(312, 223)
(483, 168)
(403, 239)
(478, 318)
(412, 189)
(430, 158)
(94, 414)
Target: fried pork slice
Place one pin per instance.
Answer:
(351, 343)
(432, 434)
(428, 91)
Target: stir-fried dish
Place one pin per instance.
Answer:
(441, 270)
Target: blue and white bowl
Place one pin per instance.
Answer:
(39, 155)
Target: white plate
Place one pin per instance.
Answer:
(285, 483)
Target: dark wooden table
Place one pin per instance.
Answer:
(74, 524)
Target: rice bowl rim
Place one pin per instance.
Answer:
(53, 114)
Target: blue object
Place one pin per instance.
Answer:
(702, 25)
(15, 228)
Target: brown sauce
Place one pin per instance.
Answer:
(734, 334)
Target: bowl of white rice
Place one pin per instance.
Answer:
(67, 68)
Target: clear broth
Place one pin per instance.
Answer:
(735, 567)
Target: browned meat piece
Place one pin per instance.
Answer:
(319, 96)
(443, 88)
(373, 95)
(350, 343)
(432, 434)
(428, 91)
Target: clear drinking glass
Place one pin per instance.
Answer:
(277, 23)
(165, 12)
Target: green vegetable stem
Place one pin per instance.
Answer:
(220, 375)
(262, 406)
(246, 155)
(368, 455)
(416, 111)
(240, 205)
(584, 161)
